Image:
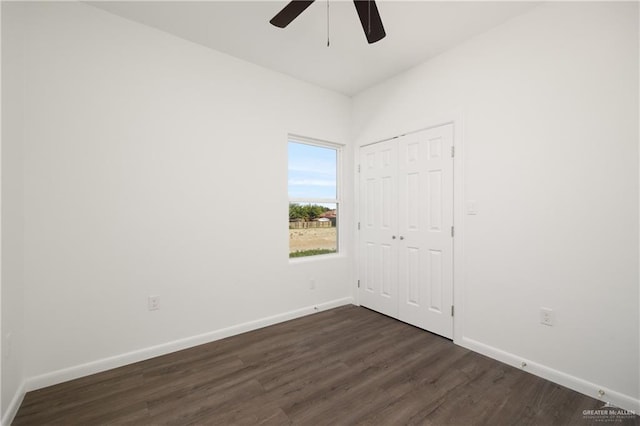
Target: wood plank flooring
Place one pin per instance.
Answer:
(340, 367)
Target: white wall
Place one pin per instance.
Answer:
(154, 166)
(12, 223)
(548, 106)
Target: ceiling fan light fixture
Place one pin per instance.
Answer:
(367, 12)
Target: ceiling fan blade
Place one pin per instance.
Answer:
(290, 12)
(370, 19)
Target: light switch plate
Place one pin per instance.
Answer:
(472, 207)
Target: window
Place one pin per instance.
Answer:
(313, 198)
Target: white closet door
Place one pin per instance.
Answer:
(378, 224)
(425, 220)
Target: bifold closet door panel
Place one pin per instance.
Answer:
(379, 221)
(425, 220)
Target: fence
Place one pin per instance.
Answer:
(314, 224)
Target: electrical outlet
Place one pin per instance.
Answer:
(547, 317)
(153, 303)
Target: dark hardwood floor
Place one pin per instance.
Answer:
(340, 367)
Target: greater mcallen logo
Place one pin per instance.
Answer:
(608, 413)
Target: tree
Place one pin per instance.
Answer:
(306, 212)
(295, 211)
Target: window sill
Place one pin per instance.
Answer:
(316, 258)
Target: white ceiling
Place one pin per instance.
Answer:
(416, 31)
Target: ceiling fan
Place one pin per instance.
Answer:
(367, 12)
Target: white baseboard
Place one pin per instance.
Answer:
(12, 409)
(579, 385)
(104, 364)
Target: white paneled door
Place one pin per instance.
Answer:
(378, 227)
(406, 228)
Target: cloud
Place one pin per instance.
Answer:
(313, 168)
(312, 182)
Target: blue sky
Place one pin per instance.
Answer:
(312, 171)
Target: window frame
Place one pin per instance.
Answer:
(337, 201)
